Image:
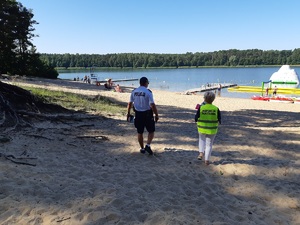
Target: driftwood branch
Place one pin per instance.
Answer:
(96, 137)
(14, 159)
(63, 219)
(72, 116)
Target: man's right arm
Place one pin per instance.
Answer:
(154, 109)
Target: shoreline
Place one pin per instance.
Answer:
(180, 67)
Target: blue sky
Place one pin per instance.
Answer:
(164, 26)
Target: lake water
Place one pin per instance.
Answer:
(179, 80)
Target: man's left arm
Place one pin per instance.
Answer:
(129, 105)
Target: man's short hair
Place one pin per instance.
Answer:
(144, 80)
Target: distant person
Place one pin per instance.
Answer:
(275, 91)
(267, 91)
(219, 90)
(118, 88)
(109, 84)
(142, 100)
(208, 117)
(85, 79)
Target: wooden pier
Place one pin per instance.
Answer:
(121, 80)
(208, 88)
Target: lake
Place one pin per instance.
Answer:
(179, 80)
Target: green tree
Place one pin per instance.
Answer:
(17, 53)
(7, 36)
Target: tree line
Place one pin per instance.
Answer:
(232, 57)
(17, 53)
(19, 56)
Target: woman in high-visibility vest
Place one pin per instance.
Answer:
(208, 117)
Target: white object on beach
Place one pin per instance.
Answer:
(285, 77)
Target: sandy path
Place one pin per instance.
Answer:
(89, 171)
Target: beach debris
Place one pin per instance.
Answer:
(72, 144)
(63, 219)
(17, 160)
(94, 137)
(170, 149)
(175, 149)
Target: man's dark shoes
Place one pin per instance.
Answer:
(148, 149)
(142, 151)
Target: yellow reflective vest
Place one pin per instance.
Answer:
(208, 120)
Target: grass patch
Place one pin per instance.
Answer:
(72, 101)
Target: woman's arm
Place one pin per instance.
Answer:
(197, 114)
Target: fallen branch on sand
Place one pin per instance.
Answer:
(14, 159)
(71, 116)
(98, 137)
(63, 219)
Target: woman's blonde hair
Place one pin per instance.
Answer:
(209, 96)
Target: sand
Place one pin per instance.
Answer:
(89, 171)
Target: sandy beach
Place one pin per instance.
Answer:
(88, 170)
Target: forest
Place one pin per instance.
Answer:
(18, 55)
(226, 58)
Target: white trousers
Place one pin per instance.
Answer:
(205, 144)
